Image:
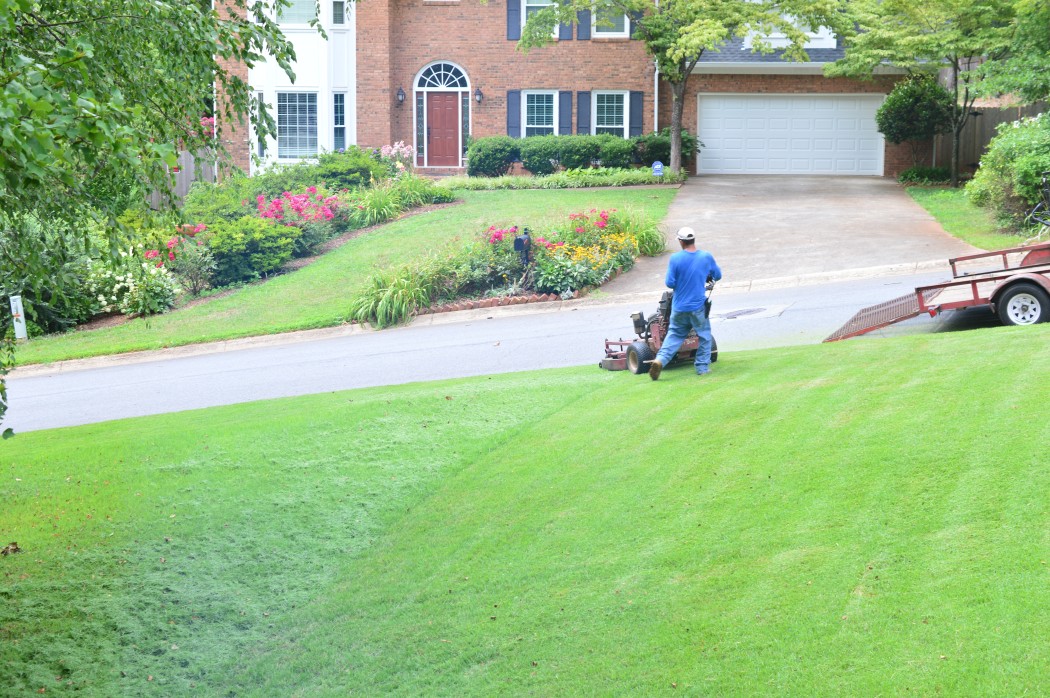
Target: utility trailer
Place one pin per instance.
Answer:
(1013, 283)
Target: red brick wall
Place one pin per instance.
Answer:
(474, 37)
(233, 136)
(376, 86)
(896, 157)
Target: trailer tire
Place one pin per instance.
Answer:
(638, 355)
(714, 349)
(1023, 304)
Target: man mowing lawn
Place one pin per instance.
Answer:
(687, 275)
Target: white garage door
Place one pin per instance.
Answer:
(789, 134)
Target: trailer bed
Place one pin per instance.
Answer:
(973, 284)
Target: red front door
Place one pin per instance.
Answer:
(443, 129)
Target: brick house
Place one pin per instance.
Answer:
(432, 73)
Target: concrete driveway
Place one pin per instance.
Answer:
(784, 227)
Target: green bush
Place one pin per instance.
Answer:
(925, 175)
(249, 247)
(227, 200)
(194, 265)
(651, 147)
(580, 151)
(917, 109)
(1008, 179)
(615, 152)
(541, 154)
(492, 156)
(350, 169)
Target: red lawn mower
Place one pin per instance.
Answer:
(635, 355)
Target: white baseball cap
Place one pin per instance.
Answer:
(686, 234)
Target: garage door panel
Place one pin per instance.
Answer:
(789, 134)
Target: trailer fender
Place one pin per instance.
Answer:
(1034, 278)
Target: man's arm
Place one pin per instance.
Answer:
(669, 280)
(716, 272)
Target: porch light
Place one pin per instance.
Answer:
(400, 96)
(477, 95)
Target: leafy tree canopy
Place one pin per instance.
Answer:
(97, 99)
(1025, 70)
(929, 36)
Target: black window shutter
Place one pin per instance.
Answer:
(635, 16)
(583, 25)
(583, 112)
(514, 113)
(634, 125)
(564, 113)
(513, 20)
(564, 32)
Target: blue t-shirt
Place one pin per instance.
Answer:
(686, 274)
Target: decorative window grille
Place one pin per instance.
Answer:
(441, 75)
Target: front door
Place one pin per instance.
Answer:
(443, 129)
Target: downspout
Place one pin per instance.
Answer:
(656, 96)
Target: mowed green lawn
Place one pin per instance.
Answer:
(857, 519)
(962, 219)
(319, 294)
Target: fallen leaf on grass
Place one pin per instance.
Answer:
(10, 549)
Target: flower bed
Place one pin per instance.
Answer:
(586, 251)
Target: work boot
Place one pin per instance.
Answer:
(654, 369)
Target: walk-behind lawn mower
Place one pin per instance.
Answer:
(635, 355)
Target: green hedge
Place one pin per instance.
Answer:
(1008, 180)
(542, 155)
(249, 247)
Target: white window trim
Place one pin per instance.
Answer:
(606, 32)
(626, 109)
(329, 8)
(544, 3)
(525, 104)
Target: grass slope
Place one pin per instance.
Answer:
(318, 295)
(865, 518)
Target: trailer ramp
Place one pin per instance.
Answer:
(878, 316)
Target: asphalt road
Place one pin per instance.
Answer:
(520, 338)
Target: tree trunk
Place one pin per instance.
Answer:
(677, 107)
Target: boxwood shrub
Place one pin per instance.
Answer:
(493, 156)
(249, 247)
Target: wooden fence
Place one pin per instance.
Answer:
(977, 133)
(186, 175)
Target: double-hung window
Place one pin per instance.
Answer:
(339, 121)
(296, 124)
(610, 113)
(534, 6)
(539, 113)
(608, 23)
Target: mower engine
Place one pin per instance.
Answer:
(635, 355)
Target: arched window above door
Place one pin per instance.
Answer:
(442, 76)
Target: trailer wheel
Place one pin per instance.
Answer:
(714, 349)
(1023, 304)
(638, 354)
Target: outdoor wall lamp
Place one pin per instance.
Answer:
(400, 96)
(477, 95)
